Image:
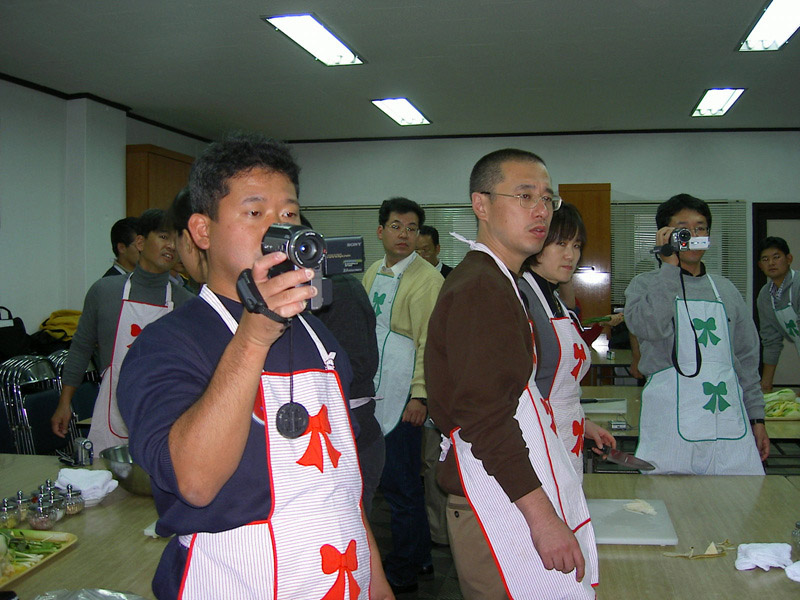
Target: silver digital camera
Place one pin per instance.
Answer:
(681, 240)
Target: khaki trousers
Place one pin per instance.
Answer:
(478, 576)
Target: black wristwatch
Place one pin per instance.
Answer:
(756, 421)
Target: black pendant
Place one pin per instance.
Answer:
(292, 420)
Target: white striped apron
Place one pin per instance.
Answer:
(108, 429)
(698, 425)
(314, 544)
(503, 525)
(574, 360)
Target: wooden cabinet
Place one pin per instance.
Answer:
(154, 176)
(593, 279)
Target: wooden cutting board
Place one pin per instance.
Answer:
(615, 525)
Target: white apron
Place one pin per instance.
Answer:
(564, 394)
(698, 425)
(314, 544)
(108, 429)
(397, 353)
(504, 527)
(787, 318)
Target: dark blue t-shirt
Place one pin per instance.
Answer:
(166, 370)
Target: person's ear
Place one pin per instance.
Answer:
(139, 242)
(121, 247)
(199, 226)
(480, 205)
(789, 259)
(380, 232)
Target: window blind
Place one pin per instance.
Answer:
(633, 236)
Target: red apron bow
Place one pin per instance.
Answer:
(578, 431)
(332, 561)
(548, 408)
(318, 425)
(580, 355)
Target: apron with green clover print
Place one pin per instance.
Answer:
(787, 318)
(698, 425)
(397, 352)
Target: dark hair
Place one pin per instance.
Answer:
(123, 232)
(401, 206)
(236, 154)
(566, 224)
(773, 242)
(431, 231)
(153, 219)
(676, 204)
(180, 210)
(488, 172)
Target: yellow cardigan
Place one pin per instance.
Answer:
(413, 305)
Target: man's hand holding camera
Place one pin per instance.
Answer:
(662, 240)
(285, 295)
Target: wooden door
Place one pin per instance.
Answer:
(154, 177)
(593, 279)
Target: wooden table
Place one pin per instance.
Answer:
(603, 367)
(742, 509)
(111, 551)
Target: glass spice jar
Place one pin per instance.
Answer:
(22, 502)
(9, 515)
(58, 502)
(73, 500)
(41, 515)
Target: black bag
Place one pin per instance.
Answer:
(14, 340)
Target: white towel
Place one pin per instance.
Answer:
(764, 556)
(793, 571)
(94, 484)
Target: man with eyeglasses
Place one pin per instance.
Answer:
(778, 304)
(403, 288)
(516, 513)
(702, 406)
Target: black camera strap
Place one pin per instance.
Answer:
(698, 354)
(253, 300)
(291, 420)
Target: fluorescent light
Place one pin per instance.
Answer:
(777, 24)
(312, 35)
(402, 111)
(716, 102)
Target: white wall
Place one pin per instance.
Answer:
(62, 180)
(757, 167)
(62, 187)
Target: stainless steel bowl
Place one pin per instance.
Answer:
(130, 475)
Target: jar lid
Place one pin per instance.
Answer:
(22, 498)
(6, 506)
(41, 507)
(71, 492)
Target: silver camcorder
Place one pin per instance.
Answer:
(307, 249)
(681, 240)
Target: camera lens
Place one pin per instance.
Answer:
(684, 235)
(308, 250)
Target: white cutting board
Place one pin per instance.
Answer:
(615, 525)
(617, 405)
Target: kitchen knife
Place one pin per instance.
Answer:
(593, 400)
(628, 460)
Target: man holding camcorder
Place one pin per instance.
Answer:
(702, 407)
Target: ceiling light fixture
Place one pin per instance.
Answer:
(314, 37)
(402, 111)
(777, 24)
(716, 102)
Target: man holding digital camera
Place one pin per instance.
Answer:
(702, 407)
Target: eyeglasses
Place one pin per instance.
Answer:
(526, 201)
(700, 231)
(410, 230)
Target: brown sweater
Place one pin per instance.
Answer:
(477, 363)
